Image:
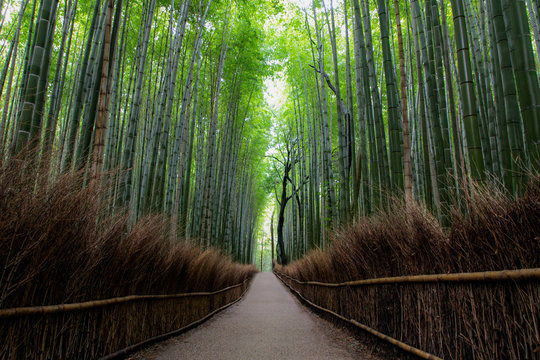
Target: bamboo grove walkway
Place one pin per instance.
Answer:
(269, 323)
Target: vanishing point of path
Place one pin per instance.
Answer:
(269, 323)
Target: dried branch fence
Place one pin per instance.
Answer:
(481, 315)
(101, 328)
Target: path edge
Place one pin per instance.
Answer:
(387, 340)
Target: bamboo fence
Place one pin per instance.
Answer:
(485, 276)
(481, 315)
(108, 328)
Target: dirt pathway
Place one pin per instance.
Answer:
(268, 324)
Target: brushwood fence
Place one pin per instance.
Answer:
(108, 328)
(485, 315)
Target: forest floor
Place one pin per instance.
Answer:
(269, 323)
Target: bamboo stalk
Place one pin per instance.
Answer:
(405, 347)
(62, 308)
(497, 276)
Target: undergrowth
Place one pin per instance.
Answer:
(494, 231)
(486, 320)
(58, 245)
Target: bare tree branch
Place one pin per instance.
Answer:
(275, 158)
(296, 190)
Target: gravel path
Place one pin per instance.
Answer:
(269, 323)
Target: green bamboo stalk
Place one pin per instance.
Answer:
(468, 96)
(392, 98)
(512, 119)
(79, 93)
(363, 104)
(384, 173)
(38, 71)
(482, 91)
(404, 109)
(525, 74)
(505, 155)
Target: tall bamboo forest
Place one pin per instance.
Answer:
(157, 150)
(209, 111)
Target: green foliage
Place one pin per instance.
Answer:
(271, 93)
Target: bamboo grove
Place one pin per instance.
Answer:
(413, 99)
(164, 97)
(163, 103)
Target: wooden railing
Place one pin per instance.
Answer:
(107, 328)
(491, 315)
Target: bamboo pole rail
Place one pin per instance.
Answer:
(405, 347)
(63, 308)
(485, 276)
